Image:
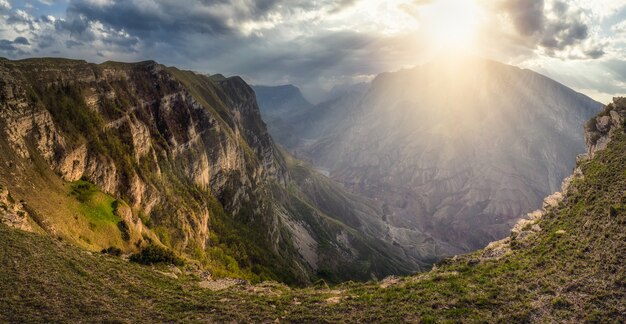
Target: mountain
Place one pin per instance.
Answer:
(565, 265)
(275, 101)
(455, 150)
(126, 156)
(278, 104)
(297, 125)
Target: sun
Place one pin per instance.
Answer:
(452, 23)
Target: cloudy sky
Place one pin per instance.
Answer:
(319, 44)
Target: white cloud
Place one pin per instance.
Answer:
(5, 5)
(619, 28)
(601, 8)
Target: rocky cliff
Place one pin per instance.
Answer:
(130, 129)
(132, 154)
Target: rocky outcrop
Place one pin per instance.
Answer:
(13, 213)
(598, 130)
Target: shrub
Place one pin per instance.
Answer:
(560, 303)
(83, 191)
(155, 254)
(112, 250)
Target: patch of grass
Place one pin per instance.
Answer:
(97, 207)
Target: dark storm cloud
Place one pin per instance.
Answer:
(11, 47)
(170, 26)
(143, 20)
(21, 40)
(151, 19)
(534, 19)
(527, 15)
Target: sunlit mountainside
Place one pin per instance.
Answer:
(454, 151)
(328, 161)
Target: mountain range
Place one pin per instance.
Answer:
(453, 159)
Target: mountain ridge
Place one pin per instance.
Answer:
(134, 154)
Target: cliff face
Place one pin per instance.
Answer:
(175, 157)
(600, 129)
(134, 129)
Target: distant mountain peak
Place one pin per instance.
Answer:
(279, 101)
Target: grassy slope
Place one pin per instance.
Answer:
(90, 224)
(575, 276)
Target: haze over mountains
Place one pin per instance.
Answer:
(452, 158)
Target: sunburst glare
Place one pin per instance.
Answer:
(452, 23)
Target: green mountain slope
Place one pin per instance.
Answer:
(565, 265)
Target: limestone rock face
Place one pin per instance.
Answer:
(143, 133)
(598, 130)
(12, 213)
(155, 117)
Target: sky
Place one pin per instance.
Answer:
(321, 44)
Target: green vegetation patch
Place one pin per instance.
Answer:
(154, 254)
(95, 205)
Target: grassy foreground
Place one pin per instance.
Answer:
(569, 269)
